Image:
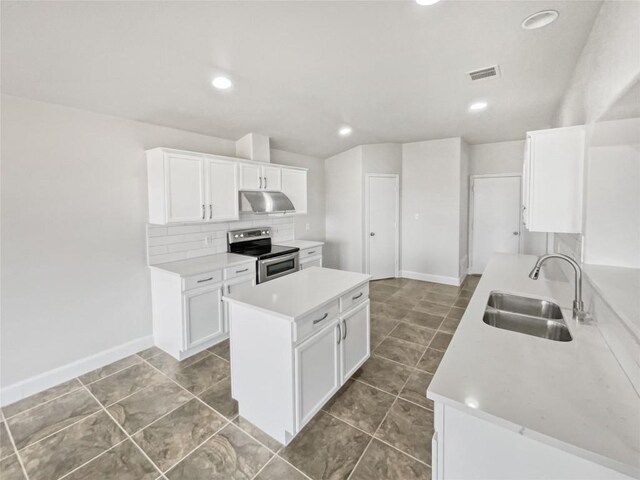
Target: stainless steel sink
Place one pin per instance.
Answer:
(530, 316)
(524, 305)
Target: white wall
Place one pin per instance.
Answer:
(382, 158)
(499, 157)
(608, 65)
(463, 235)
(74, 208)
(344, 200)
(343, 209)
(612, 206)
(431, 183)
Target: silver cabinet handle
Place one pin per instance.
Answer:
(344, 335)
(372, 234)
(260, 182)
(203, 211)
(516, 233)
(339, 333)
(311, 253)
(228, 289)
(205, 280)
(357, 296)
(240, 271)
(265, 182)
(210, 211)
(321, 319)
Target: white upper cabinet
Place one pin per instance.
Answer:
(188, 187)
(272, 177)
(553, 180)
(294, 186)
(222, 188)
(250, 176)
(191, 187)
(260, 177)
(184, 188)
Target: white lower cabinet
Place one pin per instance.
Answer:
(355, 340)
(203, 315)
(317, 366)
(465, 446)
(310, 257)
(189, 314)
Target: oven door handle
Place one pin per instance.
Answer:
(281, 258)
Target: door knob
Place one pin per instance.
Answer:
(372, 234)
(516, 233)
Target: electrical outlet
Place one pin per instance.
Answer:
(208, 239)
(416, 216)
(308, 227)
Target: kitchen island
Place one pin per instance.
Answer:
(294, 342)
(515, 406)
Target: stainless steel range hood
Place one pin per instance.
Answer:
(265, 202)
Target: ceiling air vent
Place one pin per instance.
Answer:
(488, 72)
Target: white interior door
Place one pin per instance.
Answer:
(383, 226)
(495, 223)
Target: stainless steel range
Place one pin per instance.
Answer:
(273, 260)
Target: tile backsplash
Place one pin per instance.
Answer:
(179, 242)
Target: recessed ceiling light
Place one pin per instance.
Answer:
(540, 19)
(477, 106)
(221, 83)
(345, 131)
(427, 2)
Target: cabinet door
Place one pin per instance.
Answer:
(317, 362)
(316, 262)
(272, 178)
(233, 287)
(184, 188)
(294, 186)
(355, 340)
(203, 315)
(250, 176)
(222, 190)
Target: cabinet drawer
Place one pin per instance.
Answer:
(310, 252)
(315, 321)
(202, 280)
(238, 270)
(354, 297)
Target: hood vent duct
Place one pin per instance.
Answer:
(265, 202)
(488, 72)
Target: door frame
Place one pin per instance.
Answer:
(367, 177)
(472, 179)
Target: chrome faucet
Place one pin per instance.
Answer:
(578, 305)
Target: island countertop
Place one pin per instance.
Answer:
(571, 395)
(299, 293)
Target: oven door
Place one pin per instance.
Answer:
(278, 267)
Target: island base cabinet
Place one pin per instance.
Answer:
(317, 362)
(355, 340)
(467, 447)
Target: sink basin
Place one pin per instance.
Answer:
(531, 316)
(524, 305)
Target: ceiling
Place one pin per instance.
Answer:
(393, 70)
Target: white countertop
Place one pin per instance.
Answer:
(301, 244)
(571, 395)
(299, 293)
(198, 265)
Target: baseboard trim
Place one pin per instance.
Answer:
(25, 388)
(427, 277)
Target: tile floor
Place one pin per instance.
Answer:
(149, 416)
